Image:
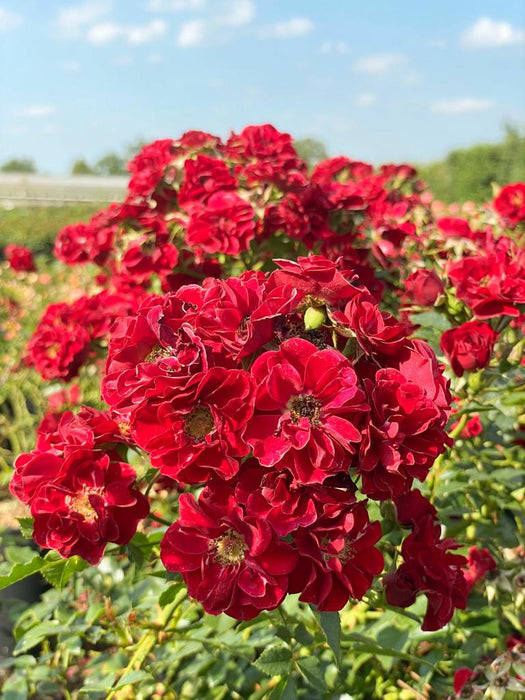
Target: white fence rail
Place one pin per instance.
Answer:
(40, 190)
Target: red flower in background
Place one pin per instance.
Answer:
(19, 258)
(510, 203)
(479, 561)
(423, 287)
(224, 224)
(469, 346)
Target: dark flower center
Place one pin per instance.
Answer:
(229, 548)
(199, 423)
(305, 406)
(157, 352)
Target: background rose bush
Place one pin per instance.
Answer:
(238, 304)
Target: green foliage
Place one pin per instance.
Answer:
(18, 165)
(310, 150)
(80, 167)
(37, 227)
(469, 173)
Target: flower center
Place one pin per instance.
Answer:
(229, 548)
(305, 406)
(157, 352)
(199, 423)
(81, 504)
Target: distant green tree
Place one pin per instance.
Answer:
(469, 173)
(19, 165)
(111, 164)
(80, 167)
(310, 150)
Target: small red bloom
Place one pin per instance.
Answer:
(469, 346)
(19, 258)
(479, 561)
(510, 203)
(423, 287)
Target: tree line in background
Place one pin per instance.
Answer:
(464, 174)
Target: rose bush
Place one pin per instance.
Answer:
(278, 353)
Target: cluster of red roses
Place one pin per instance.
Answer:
(277, 392)
(19, 258)
(287, 394)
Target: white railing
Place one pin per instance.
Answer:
(40, 190)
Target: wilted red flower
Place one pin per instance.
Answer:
(430, 568)
(19, 258)
(308, 410)
(231, 561)
(469, 346)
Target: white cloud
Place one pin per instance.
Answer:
(192, 33)
(237, 13)
(334, 47)
(297, 26)
(462, 105)
(366, 99)
(36, 111)
(379, 64)
(106, 32)
(216, 25)
(9, 20)
(175, 5)
(487, 32)
(71, 22)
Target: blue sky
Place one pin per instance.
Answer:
(380, 81)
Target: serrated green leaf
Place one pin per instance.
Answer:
(431, 319)
(310, 668)
(21, 571)
(58, 573)
(26, 527)
(275, 660)
(37, 634)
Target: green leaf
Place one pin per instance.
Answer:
(132, 677)
(331, 624)
(21, 571)
(26, 527)
(310, 668)
(59, 572)
(275, 660)
(168, 596)
(431, 319)
(37, 634)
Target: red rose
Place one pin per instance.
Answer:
(91, 502)
(461, 679)
(479, 561)
(19, 258)
(224, 224)
(81, 243)
(469, 346)
(308, 411)
(203, 177)
(510, 203)
(231, 561)
(423, 287)
(337, 559)
(196, 430)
